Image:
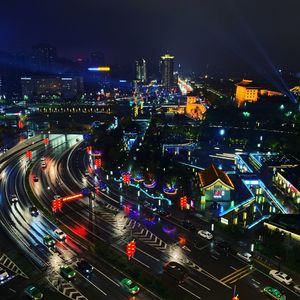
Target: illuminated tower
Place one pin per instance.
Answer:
(167, 70)
(141, 70)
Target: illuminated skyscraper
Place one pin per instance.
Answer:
(167, 70)
(141, 71)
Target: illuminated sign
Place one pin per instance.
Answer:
(100, 69)
(218, 194)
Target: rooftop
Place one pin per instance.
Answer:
(211, 174)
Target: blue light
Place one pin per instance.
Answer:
(222, 132)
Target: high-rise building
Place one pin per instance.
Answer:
(141, 71)
(44, 57)
(167, 70)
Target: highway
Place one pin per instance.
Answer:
(211, 273)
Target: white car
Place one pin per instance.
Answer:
(60, 235)
(42, 158)
(43, 165)
(3, 275)
(56, 197)
(297, 288)
(205, 234)
(281, 277)
(14, 198)
(245, 256)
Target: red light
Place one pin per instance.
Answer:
(126, 178)
(79, 230)
(183, 201)
(130, 249)
(182, 241)
(20, 125)
(98, 162)
(54, 205)
(28, 154)
(89, 149)
(46, 141)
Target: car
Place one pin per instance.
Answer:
(164, 213)
(84, 266)
(14, 198)
(67, 272)
(30, 133)
(281, 277)
(43, 165)
(188, 225)
(297, 288)
(245, 256)
(205, 234)
(3, 275)
(43, 158)
(35, 178)
(130, 286)
(150, 206)
(59, 234)
(48, 241)
(175, 270)
(56, 197)
(86, 173)
(222, 245)
(34, 211)
(274, 293)
(33, 292)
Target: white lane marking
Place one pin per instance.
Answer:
(216, 258)
(256, 281)
(148, 254)
(233, 268)
(92, 284)
(204, 286)
(189, 291)
(203, 247)
(106, 276)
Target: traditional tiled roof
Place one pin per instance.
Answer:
(212, 174)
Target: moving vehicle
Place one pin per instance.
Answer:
(188, 225)
(35, 178)
(59, 234)
(33, 292)
(43, 158)
(34, 211)
(14, 198)
(43, 165)
(175, 270)
(3, 275)
(86, 173)
(205, 234)
(164, 213)
(85, 267)
(245, 256)
(281, 277)
(67, 272)
(57, 197)
(150, 206)
(130, 286)
(48, 241)
(274, 293)
(297, 288)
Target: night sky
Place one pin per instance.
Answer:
(228, 34)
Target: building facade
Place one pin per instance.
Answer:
(141, 71)
(194, 108)
(167, 70)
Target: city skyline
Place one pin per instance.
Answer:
(231, 36)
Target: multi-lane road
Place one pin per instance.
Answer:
(213, 274)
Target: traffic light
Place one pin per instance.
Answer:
(98, 162)
(28, 154)
(54, 205)
(183, 202)
(130, 249)
(126, 178)
(46, 141)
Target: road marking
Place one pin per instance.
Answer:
(216, 258)
(256, 281)
(235, 272)
(189, 291)
(148, 254)
(238, 274)
(233, 268)
(106, 277)
(92, 284)
(204, 286)
(203, 247)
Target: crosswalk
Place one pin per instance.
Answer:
(65, 288)
(6, 262)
